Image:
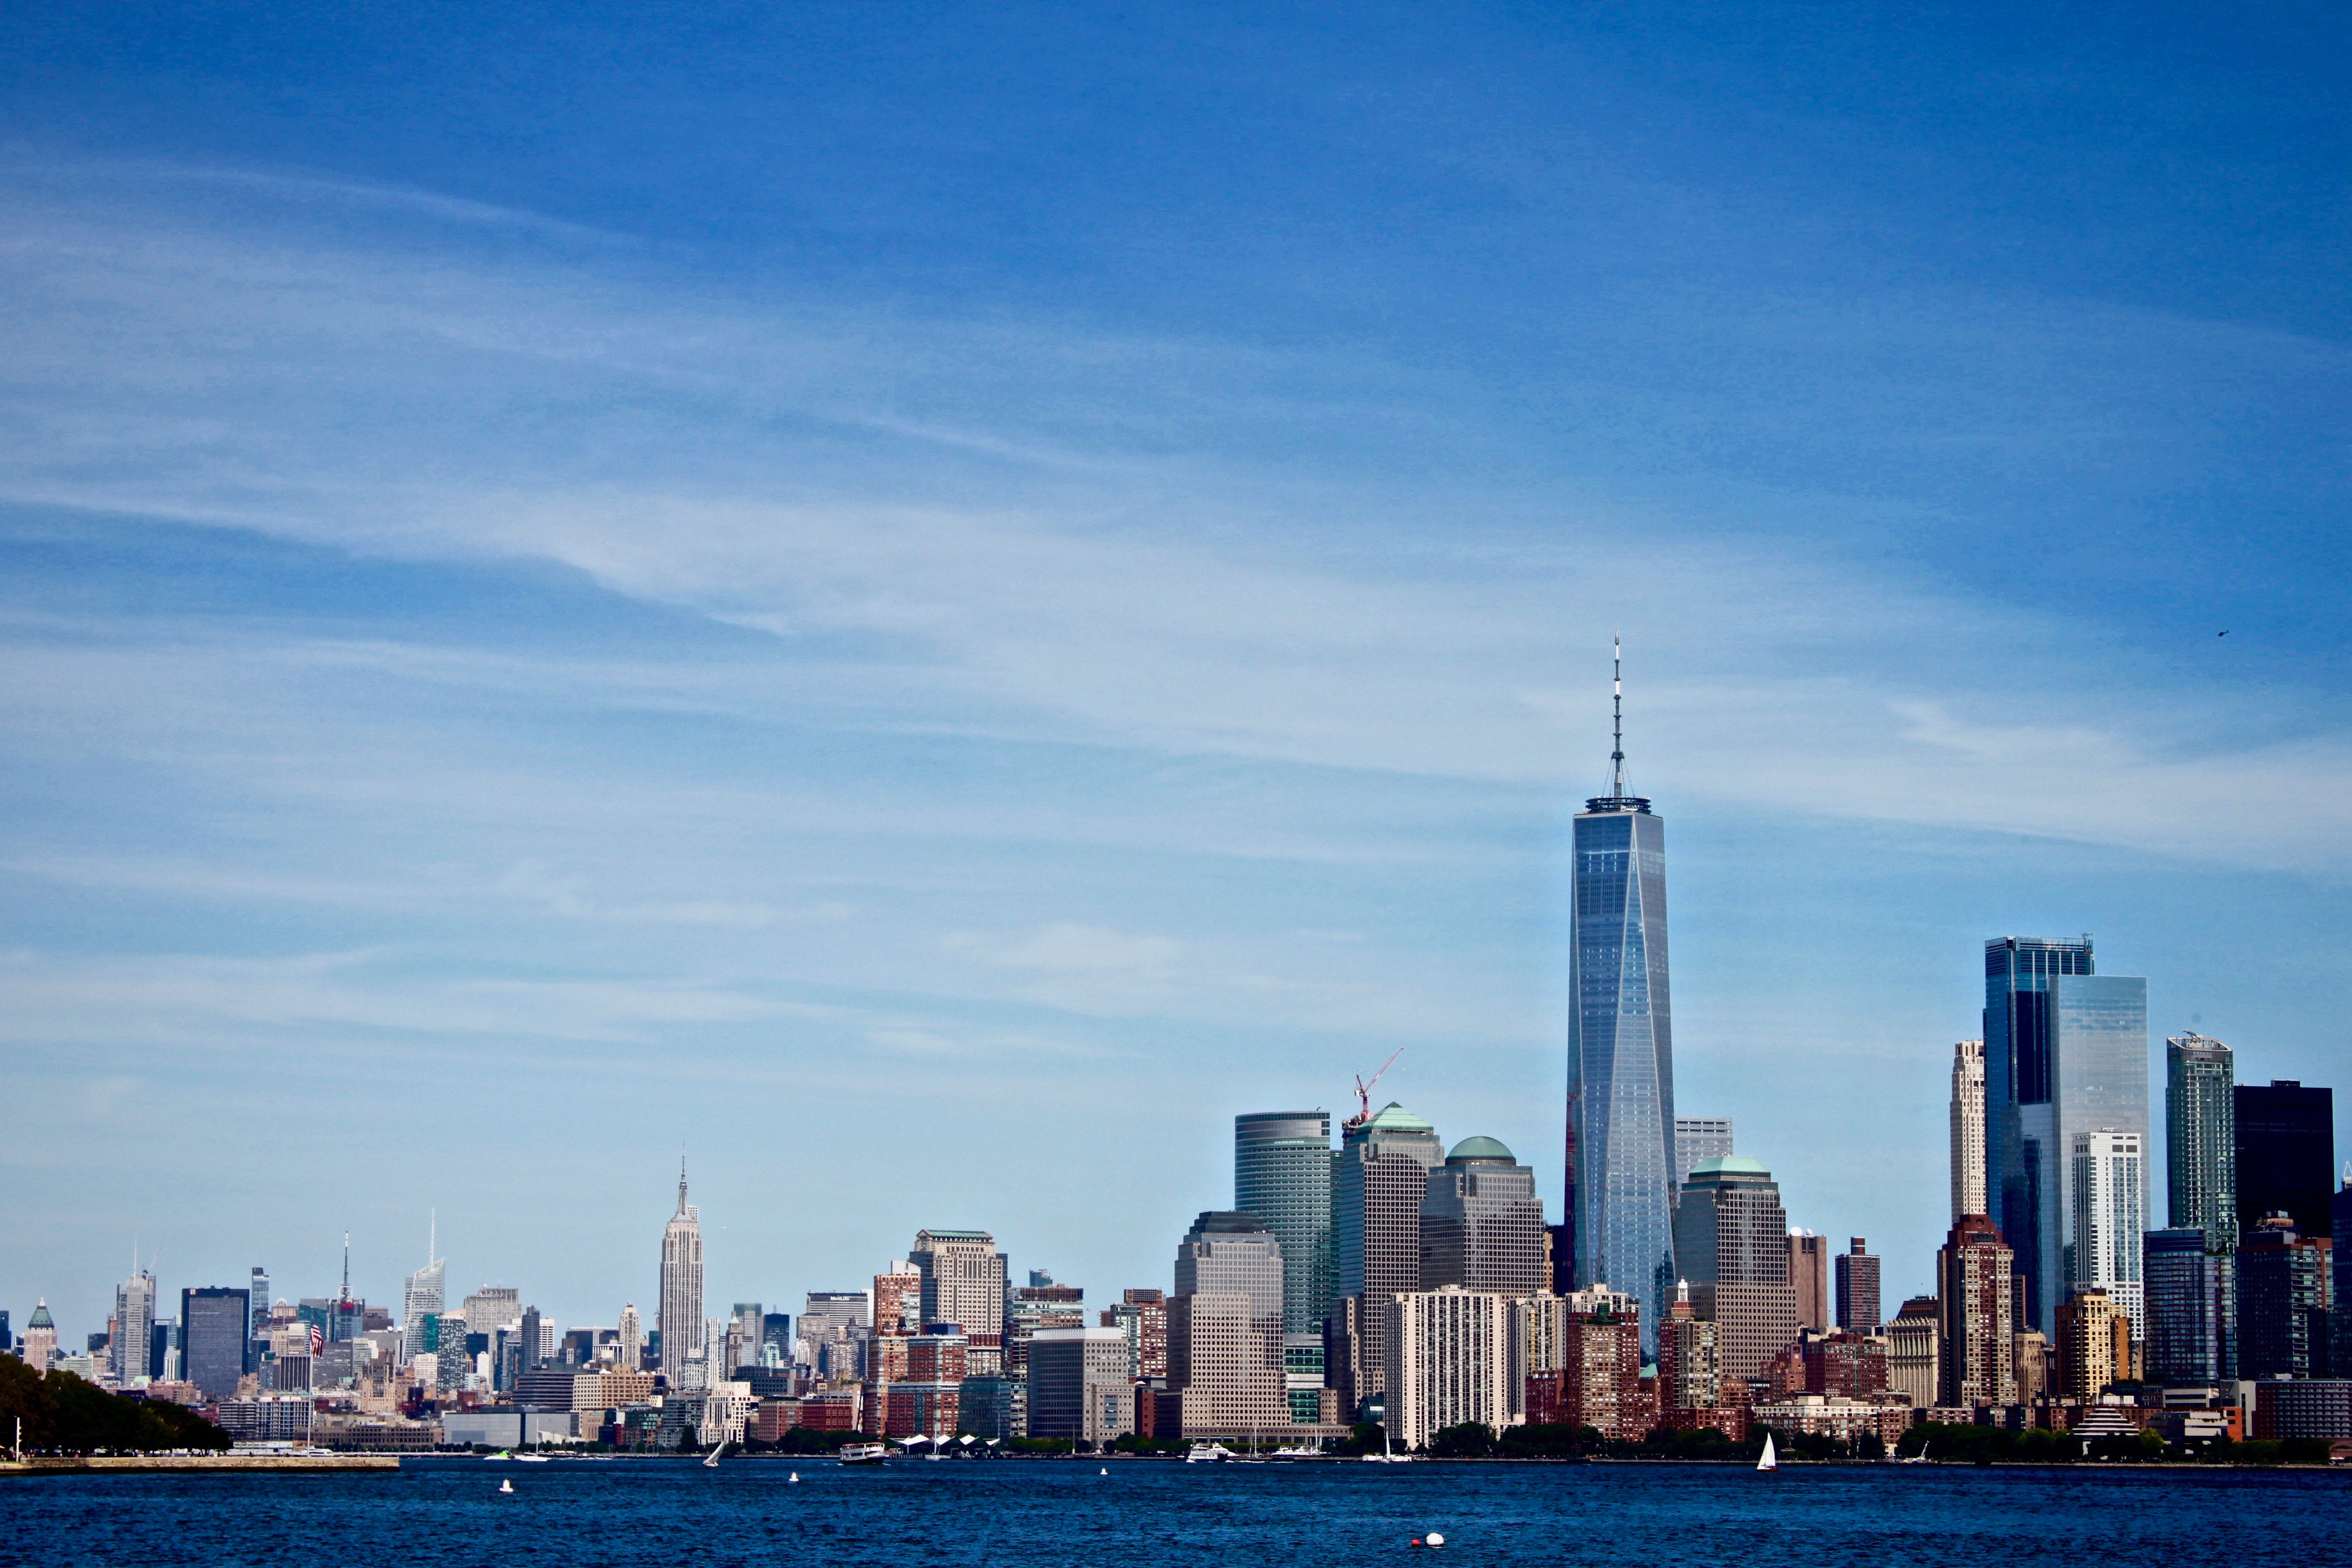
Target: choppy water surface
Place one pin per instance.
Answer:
(582, 1513)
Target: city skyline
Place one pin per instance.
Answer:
(1043, 586)
(684, 1229)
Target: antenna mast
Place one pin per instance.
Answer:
(1617, 716)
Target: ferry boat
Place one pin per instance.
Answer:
(864, 1453)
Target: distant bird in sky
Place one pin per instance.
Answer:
(2221, 634)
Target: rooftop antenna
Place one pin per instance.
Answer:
(432, 1237)
(347, 1266)
(1617, 716)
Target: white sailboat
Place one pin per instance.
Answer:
(1768, 1461)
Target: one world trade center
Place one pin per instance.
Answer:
(1621, 1058)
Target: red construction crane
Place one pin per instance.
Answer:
(1364, 1093)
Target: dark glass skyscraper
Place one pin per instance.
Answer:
(2065, 1055)
(214, 1351)
(1620, 1061)
(2286, 1155)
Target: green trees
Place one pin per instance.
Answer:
(65, 1415)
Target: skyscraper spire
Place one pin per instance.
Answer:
(347, 1265)
(681, 1183)
(1617, 717)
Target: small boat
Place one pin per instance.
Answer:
(507, 1486)
(530, 1458)
(1207, 1453)
(711, 1462)
(864, 1453)
(1768, 1462)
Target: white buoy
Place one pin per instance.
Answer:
(796, 1476)
(1436, 1540)
(507, 1486)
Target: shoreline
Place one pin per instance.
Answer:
(198, 1464)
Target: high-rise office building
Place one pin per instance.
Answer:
(833, 1321)
(1809, 1278)
(679, 1318)
(963, 1284)
(2109, 1182)
(1481, 1223)
(2200, 1135)
(214, 1325)
(2286, 1138)
(1448, 1363)
(1619, 1213)
(1377, 1190)
(2281, 1301)
(1976, 1349)
(1232, 1254)
(1913, 1350)
(1968, 1113)
(1078, 1384)
(2192, 1305)
(1690, 1362)
(258, 1287)
(1731, 1240)
(1857, 1288)
(2339, 1332)
(2094, 1344)
(1224, 1326)
(1141, 1315)
(633, 1338)
(453, 1358)
(899, 1299)
(1282, 1173)
(421, 1296)
(40, 1347)
(1700, 1138)
(1031, 1309)
(134, 1327)
(2065, 1052)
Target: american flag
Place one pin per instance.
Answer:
(318, 1339)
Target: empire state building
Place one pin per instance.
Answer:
(1620, 1057)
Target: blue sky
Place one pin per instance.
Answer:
(924, 606)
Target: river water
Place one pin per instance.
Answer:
(921, 1514)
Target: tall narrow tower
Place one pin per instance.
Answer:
(1621, 1062)
(1967, 1130)
(681, 1287)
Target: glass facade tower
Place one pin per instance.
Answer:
(1282, 1173)
(1620, 1073)
(1618, 1219)
(2200, 1137)
(2065, 1055)
(2286, 1155)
